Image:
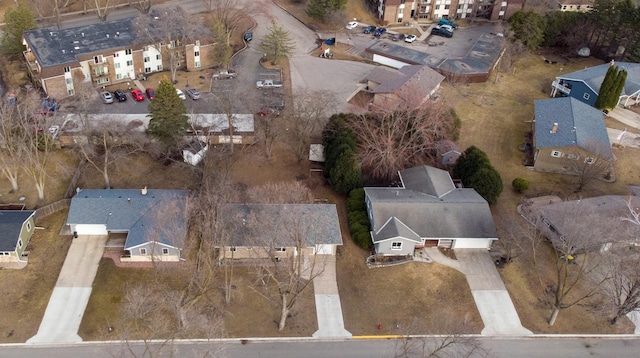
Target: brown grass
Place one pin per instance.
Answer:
(355, 9)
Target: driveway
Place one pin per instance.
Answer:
(626, 117)
(492, 299)
(70, 296)
(328, 308)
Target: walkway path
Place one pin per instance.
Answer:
(71, 294)
(328, 308)
(492, 299)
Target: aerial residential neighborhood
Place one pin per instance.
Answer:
(430, 173)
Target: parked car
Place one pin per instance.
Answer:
(137, 95)
(379, 31)
(369, 29)
(410, 38)
(107, 97)
(248, 36)
(268, 84)
(224, 74)
(120, 96)
(268, 111)
(441, 32)
(447, 27)
(151, 93)
(352, 25)
(397, 37)
(180, 94)
(193, 93)
(448, 22)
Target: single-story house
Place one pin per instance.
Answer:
(16, 229)
(275, 231)
(411, 84)
(428, 210)
(153, 221)
(567, 134)
(584, 85)
(589, 224)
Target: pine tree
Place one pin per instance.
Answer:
(277, 43)
(168, 116)
(616, 90)
(17, 20)
(475, 170)
(606, 87)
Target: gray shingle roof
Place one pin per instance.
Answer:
(10, 225)
(127, 210)
(414, 78)
(395, 228)
(53, 46)
(593, 76)
(578, 124)
(456, 213)
(253, 225)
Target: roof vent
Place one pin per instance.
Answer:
(107, 35)
(129, 201)
(397, 192)
(144, 191)
(64, 51)
(83, 34)
(117, 34)
(554, 128)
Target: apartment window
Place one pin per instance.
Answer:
(116, 65)
(556, 154)
(146, 48)
(437, 7)
(127, 52)
(158, 57)
(586, 96)
(460, 7)
(102, 80)
(71, 92)
(67, 69)
(28, 226)
(20, 243)
(129, 62)
(97, 59)
(69, 81)
(396, 246)
(280, 249)
(159, 67)
(147, 70)
(197, 64)
(503, 8)
(147, 59)
(115, 54)
(143, 251)
(118, 76)
(165, 251)
(446, 7)
(196, 53)
(400, 11)
(197, 42)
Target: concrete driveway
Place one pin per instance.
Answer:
(492, 299)
(328, 308)
(70, 296)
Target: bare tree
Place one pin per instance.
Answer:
(173, 28)
(230, 13)
(281, 192)
(58, 9)
(141, 5)
(269, 127)
(14, 131)
(514, 234)
(309, 114)
(108, 143)
(37, 159)
(595, 163)
(42, 8)
(514, 50)
(400, 136)
(102, 7)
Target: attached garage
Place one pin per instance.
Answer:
(326, 249)
(472, 243)
(89, 229)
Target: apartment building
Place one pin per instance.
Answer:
(398, 11)
(65, 61)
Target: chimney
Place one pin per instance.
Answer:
(554, 128)
(144, 191)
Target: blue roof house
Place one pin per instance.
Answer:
(16, 229)
(584, 85)
(153, 221)
(569, 137)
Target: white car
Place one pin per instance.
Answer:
(352, 25)
(410, 38)
(180, 94)
(447, 27)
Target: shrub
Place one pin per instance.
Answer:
(520, 184)
(359, 224)
(475, 170)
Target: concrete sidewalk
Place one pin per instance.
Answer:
(70, 296)
(328, 308)
(489, 293)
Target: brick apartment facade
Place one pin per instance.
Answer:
(399, 11)
(62, 61)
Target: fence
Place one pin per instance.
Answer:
(51, 208)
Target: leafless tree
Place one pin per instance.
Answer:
(281, 192)
(14, 131)
(230, 13)
(58, 9)
(42, 8)
(141, 5)
(269, 127)
(222, 50)
(308, 114)
(230, 101)
(596, 163)
(107, 143)
(102, 7)
(173, 28)
(514, 50)
(37, 158)
(400, 136)
(514, 233)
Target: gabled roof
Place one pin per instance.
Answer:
(593, 76)
(578, 124)
(394, 228)
(435, 209)
(157, 216)
(11, 222)
(253, 225)
(413, 78)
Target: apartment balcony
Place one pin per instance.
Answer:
(32, 64)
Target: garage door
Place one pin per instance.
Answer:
(84, 229)
(472, 244)
(326, 249)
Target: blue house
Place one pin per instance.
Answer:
(584, 85)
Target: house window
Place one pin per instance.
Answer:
(127, 52)
(67, 69)
(556, 154)
(165, 251)
(589, 160)
(147, 70)
(396, 246)
(280, 249)
(196, 53)
(129, 62)
(28, 226)
(437, 7)
(19, 243)
(197, 64)
(233, 249)
(586, 96)
(147, 59)
(143, 251)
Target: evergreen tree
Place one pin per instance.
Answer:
(475, 170)
(607, 85)
(346, 174)
(168, 115)
(320, 9)
(277, 43)
(617, 89)
(17, 20)
(470, 162)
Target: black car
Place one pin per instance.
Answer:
(248, 36)
(369, 29)
(379, 31)
(438, 31)
(120, 96)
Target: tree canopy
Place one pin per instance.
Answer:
(168, 115)
(320, 9)
(475, 170)
(17, 20)
(611, 88)
(528, 27)
(277, 43)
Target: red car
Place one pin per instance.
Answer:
(151, 93)
(137, 95)
(268, 111)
